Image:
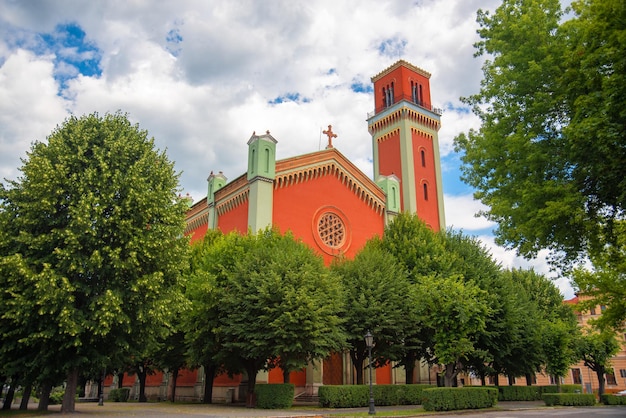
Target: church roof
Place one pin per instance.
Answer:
(309, 166)
(400, 63)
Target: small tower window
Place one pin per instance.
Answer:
(391, 95)
(425, 186)
(384, 97)
(423, 155)
(421, 96)
(267, 160)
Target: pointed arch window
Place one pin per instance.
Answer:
(425, 187)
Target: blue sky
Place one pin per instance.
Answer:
(202, 76)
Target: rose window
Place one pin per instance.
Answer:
(331, 230)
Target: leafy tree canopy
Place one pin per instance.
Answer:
(377, 298)
(548, 157)
(94, 237)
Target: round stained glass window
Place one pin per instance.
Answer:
(331, 230)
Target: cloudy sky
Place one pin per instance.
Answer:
(202, 75)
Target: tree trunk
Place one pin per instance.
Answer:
(173, 383)
(483, 381)
(44, 396)
(26, 397)
(69, 398)
(450, 375)
(529, 379)
(209, 376)
(141, 374)
(100, 387)
(600, 374)
(8, 398)
(409, 369)
(358, 366)
(286, 375)
(496, 380)
(120, 380)
(511, 380)
(252, 370)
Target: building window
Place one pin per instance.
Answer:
(622, 372)
(577, 377)
(425, 191)
(593, 311)
(602, 308)
(553, 380)
(610, 379)
(331, 230)
(423, 155)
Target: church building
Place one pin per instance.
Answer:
(322, 197)
(331, 205)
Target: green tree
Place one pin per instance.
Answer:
(596, 349)
(277, 305)
(559, 347)
(94, 235)
(523, 356)
(211, 259)
(557, 327)
(421, 253)
(604, 284)
(377, 298)
(547, 158)
(455, 312)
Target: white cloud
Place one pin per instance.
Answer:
(461, 213)
(29, 109)
(200, 75)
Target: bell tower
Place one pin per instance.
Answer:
(404, 128)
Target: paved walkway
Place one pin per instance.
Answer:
(170, 410)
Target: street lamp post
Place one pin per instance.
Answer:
(369, 342)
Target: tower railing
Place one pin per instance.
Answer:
(409, 99)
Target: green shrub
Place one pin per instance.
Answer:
(344, 396)
(571, 389)
(569, 399)
(449, 399)
(274, 396)
(56, 396)
(411, 394)
(608, 399)
(519, 393)
(119, 395)
(385, 395)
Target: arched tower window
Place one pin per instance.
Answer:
(423, 156)
(425, 186)
(267, 160)
(385, 97)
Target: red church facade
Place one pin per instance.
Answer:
(331, 205)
